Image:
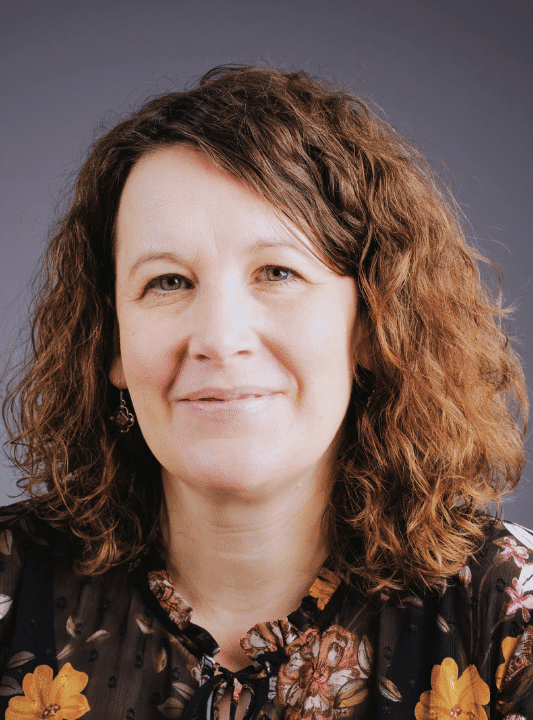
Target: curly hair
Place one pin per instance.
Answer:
(434, 430)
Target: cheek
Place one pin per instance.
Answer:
(328, 329)
(147, 350)
(320, 346)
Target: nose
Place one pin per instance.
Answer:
(222, 323)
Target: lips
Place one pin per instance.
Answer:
(215, 394)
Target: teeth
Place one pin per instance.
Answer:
(216, 399)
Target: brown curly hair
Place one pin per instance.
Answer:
(434, 430)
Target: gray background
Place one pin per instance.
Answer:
(455, 76)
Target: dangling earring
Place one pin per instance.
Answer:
(122, 417)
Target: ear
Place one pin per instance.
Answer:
(116, 373)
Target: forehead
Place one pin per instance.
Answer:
(177, 190)
(159, 172)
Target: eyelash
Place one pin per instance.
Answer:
(153, 284)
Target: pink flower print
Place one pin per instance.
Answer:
(511, 549)
(163, 589)
(268, 637)
(323, 678)
(465, 575)
(519, 600)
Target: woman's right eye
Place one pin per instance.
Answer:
(168, 283)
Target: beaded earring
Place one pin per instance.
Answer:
(122, 417)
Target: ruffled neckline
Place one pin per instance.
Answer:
(264, 638)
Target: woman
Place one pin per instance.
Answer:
(315, 400)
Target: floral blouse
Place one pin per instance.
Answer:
(123, 645)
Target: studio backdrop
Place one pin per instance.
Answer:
(454, 76)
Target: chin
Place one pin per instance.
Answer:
(222, 467)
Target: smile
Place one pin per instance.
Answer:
(209, 394)
(228, 408)
(220, 399)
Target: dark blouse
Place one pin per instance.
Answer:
(122, 645)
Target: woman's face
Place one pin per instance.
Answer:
(235, 341)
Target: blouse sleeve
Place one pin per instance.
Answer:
(11, 564)
(514, 676)
(515, 682)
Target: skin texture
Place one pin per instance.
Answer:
(215, 291)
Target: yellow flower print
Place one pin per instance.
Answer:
(453, 697)
(324, 586)
(58, 698)
(508, 647)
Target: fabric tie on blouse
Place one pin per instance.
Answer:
(264, 644)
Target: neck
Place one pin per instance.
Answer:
(239, 560)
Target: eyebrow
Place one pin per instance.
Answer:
(289, 243)
(151, 256)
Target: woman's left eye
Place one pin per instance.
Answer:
(274, 273)
(168, 283)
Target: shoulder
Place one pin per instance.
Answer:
(499, 575)
(514, 543)
(20, 526)
(19, 533)
(17, 527)
(498, 584)
(24, 536)
(506, 555)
